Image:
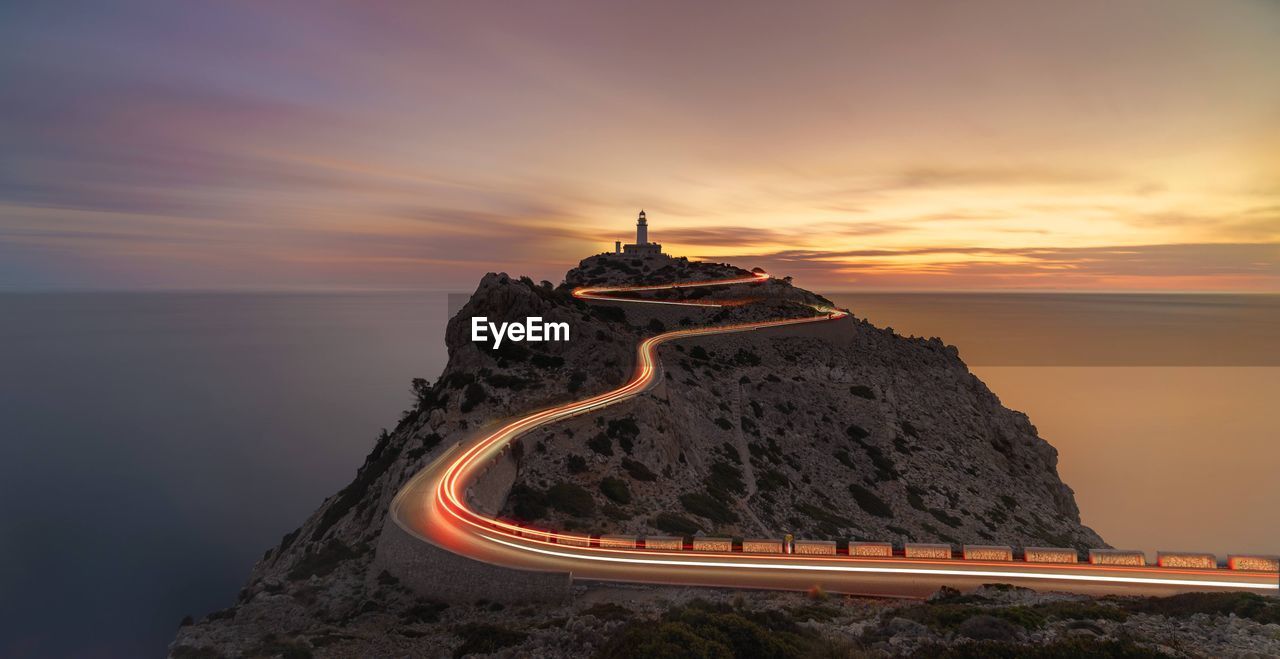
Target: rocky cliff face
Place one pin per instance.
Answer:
(831, 431)
(839, 430)
(480, 385)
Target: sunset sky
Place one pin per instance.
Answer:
(854, 145)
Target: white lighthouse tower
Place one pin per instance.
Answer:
(642, 246)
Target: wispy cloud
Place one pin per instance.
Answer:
(229, 146)
(1213, 266)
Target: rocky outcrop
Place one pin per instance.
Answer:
(832, 431)
(837, 430)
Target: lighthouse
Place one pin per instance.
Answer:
(642, 246)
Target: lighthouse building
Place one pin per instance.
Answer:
(642, 246)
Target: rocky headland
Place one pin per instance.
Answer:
(844, 431)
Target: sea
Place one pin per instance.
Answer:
(154, 445)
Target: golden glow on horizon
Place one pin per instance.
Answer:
(992, 146)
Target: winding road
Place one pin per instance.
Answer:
(433, 507)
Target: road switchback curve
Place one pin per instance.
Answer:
(433, 507)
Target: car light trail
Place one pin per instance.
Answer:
(445, 518)
(1197, 583)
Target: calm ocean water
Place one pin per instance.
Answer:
(156, 443)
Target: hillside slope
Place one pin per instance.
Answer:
(846, 432)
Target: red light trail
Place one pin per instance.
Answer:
(433, 506)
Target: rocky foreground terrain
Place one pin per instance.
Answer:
(844, 431)
(643, 622)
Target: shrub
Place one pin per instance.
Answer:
(527, 504)
(1244, 605)
(771, 479)
(623, 427)
(638, 470)
(724, 423)
(601, 444)
(609, 314)
(321, 562)
(274, 646)
(504, 381)
(483, 638)
(708, 506)
(829, 522)
(856, 432)
(571, 499)
(725, 478)
(1082, 611)
(698, 352)
(941, 516)
(424, 611)
(947, 616)
(422, 393)
(673, 523)
(869, 502)
(472, 396)
(616, 512)
(616, 489)
(510, 351)
(746, 358)
(576, 380)
(1069, 648)
(914, 498)
(656, 326)
(576, 464)
(547, 361)
(987, 628)
(460, 380)
(608, 611)
(700, 629)
(625, 431)
(862, 391)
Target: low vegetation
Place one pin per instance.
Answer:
(527, 503)
(868, 501)
(708, 506)
(673, 523)
(322, 561)
(571, 499)
(616, 490)
(702, 629)
(862, 391)
(638, 470)
(482, 638)
(1265, 610)
(601, 444)
(472, 396)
